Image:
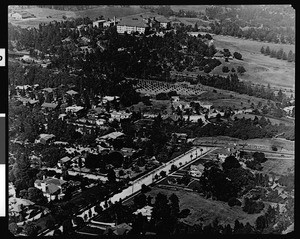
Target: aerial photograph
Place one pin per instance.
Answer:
(150, 120)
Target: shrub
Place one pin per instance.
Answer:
(237, 55)
(234, 201)
(184, 213)
(225, 69)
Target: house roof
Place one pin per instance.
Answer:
(65, 159)
(112, 135)
(121, 229)
(52, 188)
(49, 105)
(46, 136)
(48, 89)
(218, 54)
(72, 92)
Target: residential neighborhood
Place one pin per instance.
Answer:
(146, 120)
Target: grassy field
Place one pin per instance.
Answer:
(42, 14)
(205, 210)
(110, 12)
(282, 145)
(279, 165)
(196, 8)
(260, 69)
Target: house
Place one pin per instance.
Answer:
(45, 138)
(196, 170)
(119, 115)
(175, 98)
(27, 59)
(128, 152)
(106, 99)
(52, 188)
(145, 211)
(218, 54)
(17, 205)
(71, 92)
(163, 22)
(180, 138)
(49, 106)
(64, 161)
(22, 15)
(112, 135)
(11, 190)
(99, 23)
(132, 24)
(119, 230)
(143, 124)
(74, 109)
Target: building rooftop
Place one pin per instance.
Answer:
(134, 21)
(112, 135)
(72, 92)
(49, 105)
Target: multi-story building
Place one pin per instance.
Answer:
(133, 24)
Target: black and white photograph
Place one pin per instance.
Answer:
(150, 120)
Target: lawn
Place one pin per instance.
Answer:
(205, 210)
(260, 69)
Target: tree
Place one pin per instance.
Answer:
(13, 228)
(262, 50)
(111, 175)
(31, 229)
(231, 162)
(261, 223)
(241, 69)
(237, 55)
(225, 69)
(279, 54)
(174, 205)
(36, 195)
(290, 57)
(284, 56)
(67, 227)
(273, 53)
(267, 52)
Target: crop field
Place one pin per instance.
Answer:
(205, 210)
(155, 87)
(260, 69)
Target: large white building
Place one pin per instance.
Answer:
(132, 24)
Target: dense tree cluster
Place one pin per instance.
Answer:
(252, 22)
(280, 54)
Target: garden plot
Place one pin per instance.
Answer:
(155, 87)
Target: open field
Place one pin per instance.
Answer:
(260, 69)
(279, 165)
(196, 8)
(284, 146)
(41, 16)
(57, 15)
(205, 210)
(110, 12)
